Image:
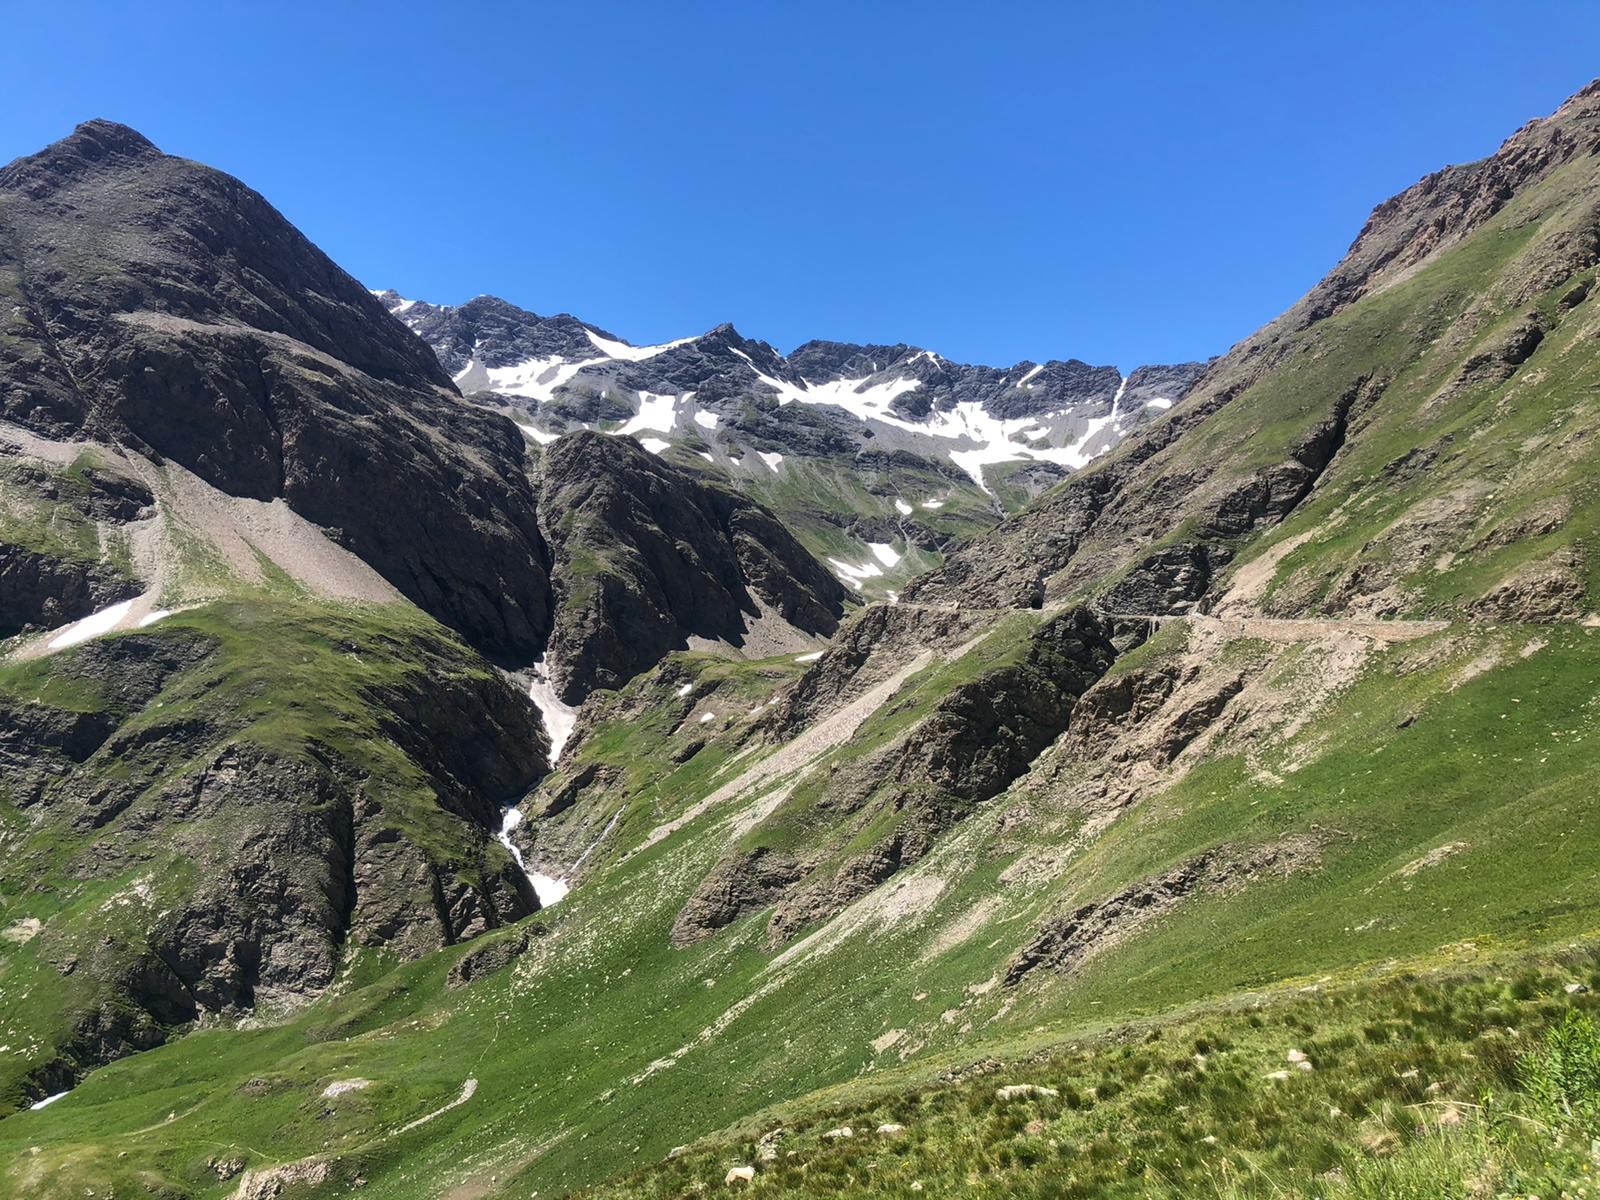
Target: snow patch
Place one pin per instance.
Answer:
(812, 657)
(154, 615)
(657, 412)
(1158, 402)
(627, 353)
(46, 1102)
(559, 718)
(704, 419)
(538, 435)
(851, 573)
(548, 889)
(884, 553)
(933, 504)
(91, 626)
(685, 690)
(535, 378)
(707, 457)
(654, 445)
(901, 507)
(772, 460)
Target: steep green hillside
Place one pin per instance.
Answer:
(599, 1044)
(1273, 731)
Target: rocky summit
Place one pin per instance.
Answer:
(452, 752)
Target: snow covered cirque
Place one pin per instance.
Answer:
(567, 375)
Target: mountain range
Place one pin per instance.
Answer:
(448, 751)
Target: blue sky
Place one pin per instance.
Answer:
(1124, 183)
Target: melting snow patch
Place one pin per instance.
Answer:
(901, 507)
(154, 615)
(558, 718)
(852, 573)
(1158, 402)
(655, 412)
(48, 1100)
(538, 435)
(94, 625)
(654, 445)
(812, 657)
(704, 419)
(707, 457)
(884, 553)
(686, 689)
(933, 504)
(629, 353)
(535, 378)
(549, 890)
(894, 596)
(704, 717)
(772, 460)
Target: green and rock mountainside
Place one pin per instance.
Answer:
(1221, 822)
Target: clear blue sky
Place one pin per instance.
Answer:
(1122, 182)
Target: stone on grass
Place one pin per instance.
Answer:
(1020, 1091)
(767, 1147)
(844, 1131)
(890, 1129)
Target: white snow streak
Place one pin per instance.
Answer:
(93, 625)
(884, 553)
(538, 435)
(852, 573)
(559, 718)
(627, 353)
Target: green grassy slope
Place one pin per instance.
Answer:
(601, 1046)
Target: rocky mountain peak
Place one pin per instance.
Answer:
(1442, 208)
(91, 144)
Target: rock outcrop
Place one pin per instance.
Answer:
(168, 308)
(648, 557)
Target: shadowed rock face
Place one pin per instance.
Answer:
(165, 306)
(38, 591)
(647, 556)
(248, 866)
